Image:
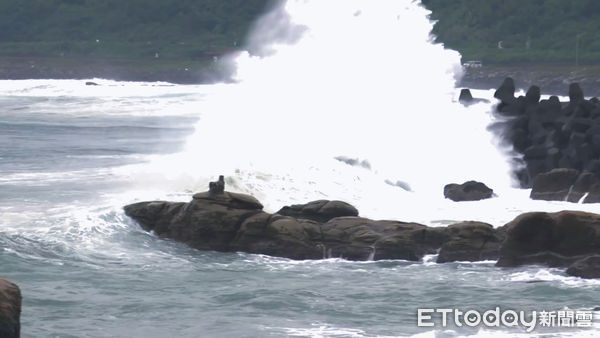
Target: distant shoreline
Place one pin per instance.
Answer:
(179, 71)
(553, 79)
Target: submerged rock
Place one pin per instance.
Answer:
(468, 191)
(10, 309)
(552, 239)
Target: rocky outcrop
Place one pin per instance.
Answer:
(208, 222)
(549, 134)
(225, 221)
(471, 241)
(468, 191)
(552, 239)
(10, 309)
(320, 211)
(588, 267)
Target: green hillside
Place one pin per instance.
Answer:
(530, 31)
(125, 28)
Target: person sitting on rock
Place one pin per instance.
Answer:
(217, 187)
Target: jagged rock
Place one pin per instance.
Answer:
(10, 309)
(553, 239)
(554, 185)
(471, 241)
(588, 267)
(468, 191)
(320, 211)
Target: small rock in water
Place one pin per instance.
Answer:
(466, 98)
(468, 191)
(90, 83)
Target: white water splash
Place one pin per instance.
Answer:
(362, 80)
(358, 79)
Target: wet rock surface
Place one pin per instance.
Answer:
(468, 191)
(588, 267)
(10, 309)
(225, 221)
(551, 239)
(320, 211)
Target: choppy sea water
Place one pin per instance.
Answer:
(86, 270)
(71, 156)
